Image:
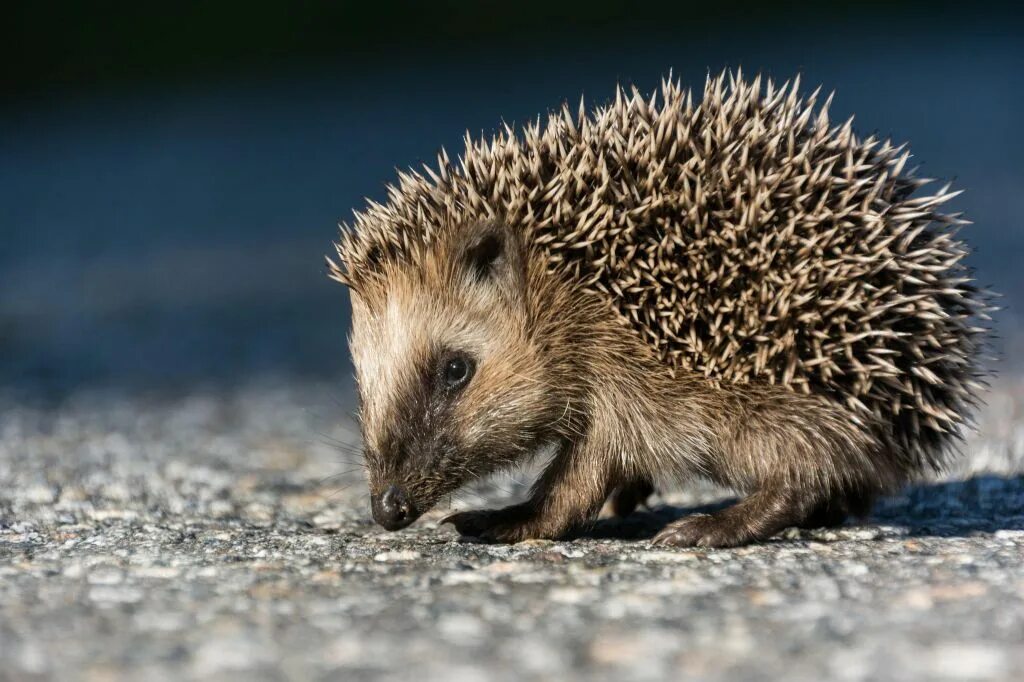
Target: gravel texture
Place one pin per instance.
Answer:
(224, 534)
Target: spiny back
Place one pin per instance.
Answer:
(742, 237)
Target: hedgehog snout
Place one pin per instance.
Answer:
(393, 508)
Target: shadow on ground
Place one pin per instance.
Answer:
(982, 504)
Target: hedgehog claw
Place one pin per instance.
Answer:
(467, 523)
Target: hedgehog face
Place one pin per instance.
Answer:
(452, 385)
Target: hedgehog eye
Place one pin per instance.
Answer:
(456, 371)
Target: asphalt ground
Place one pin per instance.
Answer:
(225, 534)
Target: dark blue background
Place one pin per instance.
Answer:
(164, 222)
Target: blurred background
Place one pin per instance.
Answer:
(171, 174)
(181, 489)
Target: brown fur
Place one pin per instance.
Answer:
(557, 366)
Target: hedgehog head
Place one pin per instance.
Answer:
(452, 383)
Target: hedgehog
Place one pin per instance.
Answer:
(663, 289)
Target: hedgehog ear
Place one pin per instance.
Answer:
(487, 255)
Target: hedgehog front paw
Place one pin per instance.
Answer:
(511, 524)
(702, 530)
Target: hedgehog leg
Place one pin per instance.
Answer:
(834, 511)
(828, 514)
(759, 516)
(629, 496)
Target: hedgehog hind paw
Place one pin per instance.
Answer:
(701, 530)
(754, 519)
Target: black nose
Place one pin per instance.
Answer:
(392, 509)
